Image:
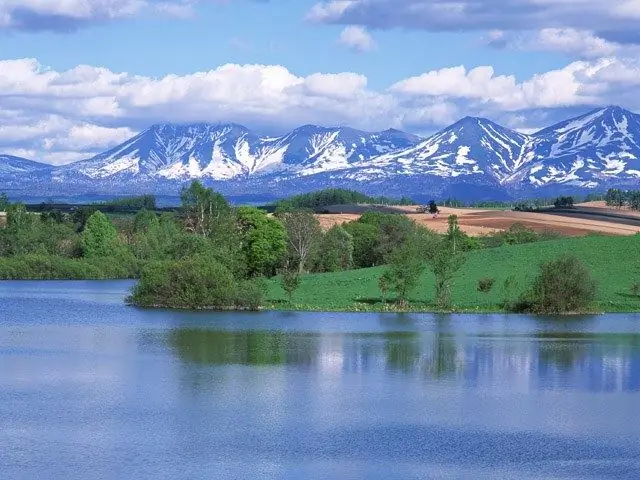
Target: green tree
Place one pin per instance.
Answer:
(99, 237)
(195, 283)
(264, 241)
(403, 273)
(145, 221)
(615, 198)
(445, 259)
(206, 212)
(634, 200)
(335, 251)
(433, 207)
(290, 281)
(563, 285)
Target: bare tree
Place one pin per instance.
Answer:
(303, 231)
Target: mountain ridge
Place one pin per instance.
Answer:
(597, 149)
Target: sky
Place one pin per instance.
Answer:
(80, 76)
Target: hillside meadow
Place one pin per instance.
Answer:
(614, 263)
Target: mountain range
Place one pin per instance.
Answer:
(473, 159)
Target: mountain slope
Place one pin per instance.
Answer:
(16, 172)
(228, 151)
(473, 149)
(599, 148)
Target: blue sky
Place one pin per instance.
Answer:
(371, 64)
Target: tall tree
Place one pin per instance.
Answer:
(204, 211)
(336, 250)
(264, 240)
(303, 231)
(99, 237)
(403, 273)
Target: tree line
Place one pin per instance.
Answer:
(623, 198)
(209, 254)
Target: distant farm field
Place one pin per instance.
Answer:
(614, 262)
(482, 221)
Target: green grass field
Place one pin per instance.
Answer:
(614, 263)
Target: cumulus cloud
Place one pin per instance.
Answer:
(616, 22)
(357, 38)
(59, 116)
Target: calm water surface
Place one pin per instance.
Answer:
(92, 389)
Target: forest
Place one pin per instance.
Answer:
(209, 254)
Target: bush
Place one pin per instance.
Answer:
(486, 284)
(563, 285)
(195, 283)
(250, 294)
(635, 289)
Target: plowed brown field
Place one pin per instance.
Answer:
(478, 222)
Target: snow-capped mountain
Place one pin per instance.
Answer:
(471, 147)
(219, 152)
(595, 149)
(15, 172)
(474, 158)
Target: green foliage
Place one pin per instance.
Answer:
(147, 202)
(249, 294)
(433, 207)
(264, 241)
(81, 215)
(403, 273)
(633, 199)
(206, 212)
(365, 244)
(195, 283)
(335, 251)
(564, 285)
(383, 233)
(612, 260)
(99, 237)
(290, 283)
(563, 202)
(615, 198)
(634, 289)
(333, 196)
(486, 284)
(145, 221)
(38, 266)
(4, 202)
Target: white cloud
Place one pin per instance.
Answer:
(357, 38)
(58, 116)
(577, 43)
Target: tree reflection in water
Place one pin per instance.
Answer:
(436, 353)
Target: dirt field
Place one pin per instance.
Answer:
(478, 222)
(602, 207)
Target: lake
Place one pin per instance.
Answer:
(92, 389)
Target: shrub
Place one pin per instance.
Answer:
(249, 294)
(563, 285)
(199, 282)
(485, 284)
(635, 289)
(290, 283)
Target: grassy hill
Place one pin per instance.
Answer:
(613, 261)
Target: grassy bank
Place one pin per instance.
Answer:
(613, 261)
